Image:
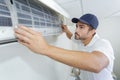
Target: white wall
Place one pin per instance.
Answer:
(109, 28)
(19, 63)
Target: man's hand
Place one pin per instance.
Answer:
(66, 30)
(31, 39)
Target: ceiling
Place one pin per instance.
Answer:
(101, 8)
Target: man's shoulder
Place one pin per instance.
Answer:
(102, 42)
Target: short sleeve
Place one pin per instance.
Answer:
(105, 47)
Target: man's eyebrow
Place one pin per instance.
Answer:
(81, 24)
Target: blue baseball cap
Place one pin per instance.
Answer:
(88, 19)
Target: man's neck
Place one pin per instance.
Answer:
(87, 41)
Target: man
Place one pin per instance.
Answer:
(95, 56)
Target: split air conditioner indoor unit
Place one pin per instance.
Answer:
(30, 13)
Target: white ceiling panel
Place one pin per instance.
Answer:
(102, 8)
(73, 7)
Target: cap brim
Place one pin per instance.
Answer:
(75, 20)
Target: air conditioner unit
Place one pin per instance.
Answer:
(30, 13)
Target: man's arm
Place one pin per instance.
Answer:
(94, 62)
(67, 31)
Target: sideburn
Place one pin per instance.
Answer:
(90, 28)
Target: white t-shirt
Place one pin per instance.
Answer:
(104, 46)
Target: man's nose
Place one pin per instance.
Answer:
(76, 30)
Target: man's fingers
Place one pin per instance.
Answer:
(22, 38)
(23, 43)
(26, 29)
(23, 32)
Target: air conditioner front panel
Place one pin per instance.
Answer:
(30, 13)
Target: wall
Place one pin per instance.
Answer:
(109, 28)
(19, 63)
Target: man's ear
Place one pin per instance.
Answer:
(93, 31)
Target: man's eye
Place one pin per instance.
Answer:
(81, 27)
